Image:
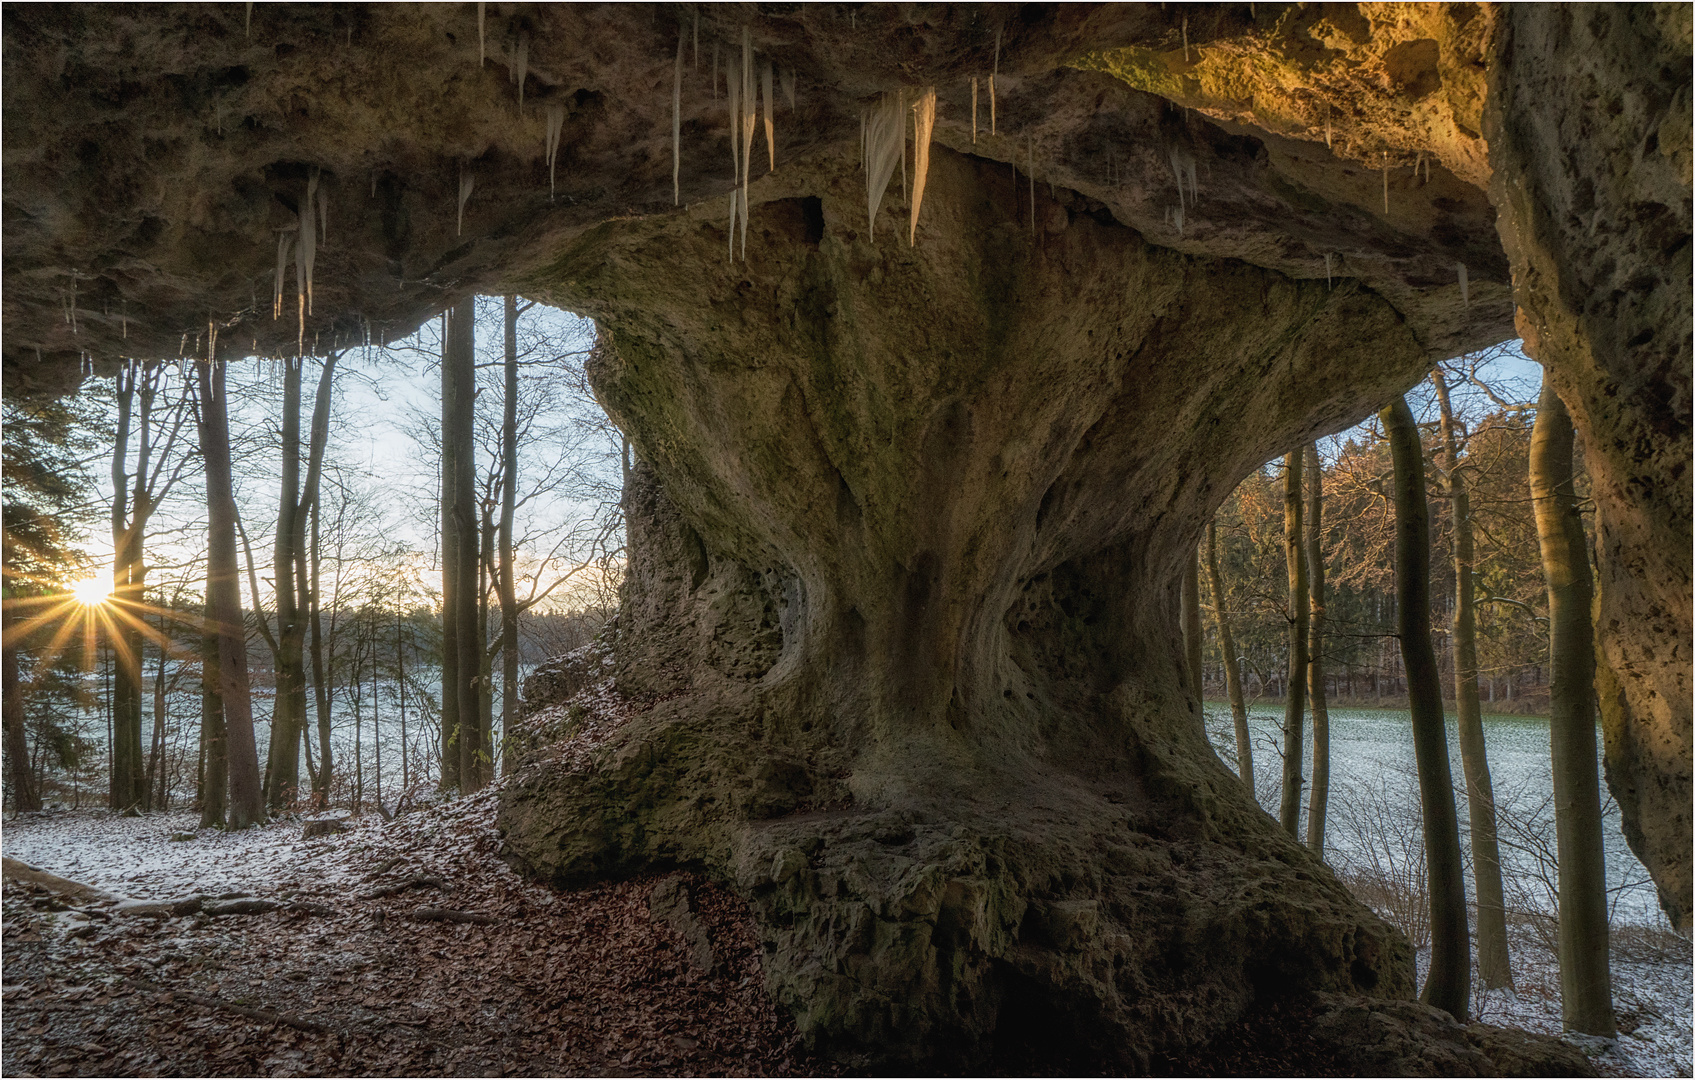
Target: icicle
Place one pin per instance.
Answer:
(885, 134)
(247, 29)
(1327, 125)
(555, 128)
(733, 92)
(466, 183)
(1177, 216)
(125, 320)
(676, 124)
(767, 103)
(734, 194)
(283, 246)
(1183, 167)
(323, 218)
(307, 253)
(903, 191)
(973, 111)
(788, 80)
(482, 37)
(1185, 39)
(182, 347)
(924, 122)
(749, 120)
(996, 70)
(1327, 271)
(1465, 285)
(1419, 164)
(714, 71)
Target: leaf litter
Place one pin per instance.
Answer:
(346, 982)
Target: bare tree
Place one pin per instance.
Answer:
(1585, 980)
(246, 798)
(1232, 663)
(1493, 963)
(1449, 981)
(1294, 707)
(1320, 797)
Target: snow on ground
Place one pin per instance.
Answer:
(1653, 985)
(139, 857)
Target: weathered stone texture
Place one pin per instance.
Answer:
(1589, 130)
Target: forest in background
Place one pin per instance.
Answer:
(365, 519)
(1493, 396)
(373, 630)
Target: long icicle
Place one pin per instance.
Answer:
(466, 182)
(523, 67)
(749, 119)
(767, 103)
(283, 248)
(885, 132)
(973, 110)
(677, 123)
(924, 122)
(555, 128)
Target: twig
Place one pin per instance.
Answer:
(402, 886)
(266, 1016)
(436, 914)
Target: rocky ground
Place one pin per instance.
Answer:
(335, 979)
(352, 967)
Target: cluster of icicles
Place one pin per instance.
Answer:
(303, 237)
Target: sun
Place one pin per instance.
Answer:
(93, 590)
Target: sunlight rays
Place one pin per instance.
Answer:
(92, 611)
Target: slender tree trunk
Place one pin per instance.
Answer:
(1585, 982)
(214, 767)
(124, 745)
(488, 579)
(450, 673)
(1192, 642)
(1493, 964)
(25, 794)
(320, 672)
(282, 763)
(1294, 704)
(1449, 981)
(508, 571)
(246, 798)
(1320, 798)
(156, 753)
(460, 362)
(1232, 663)
(400, 667)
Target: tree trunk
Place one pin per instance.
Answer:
(1449, 981)
(246, 797)
(25, 795)
(1294, 704)
(1232, 663)
(282, 762)
(126, 784)
(1192, 643)
(1493, 963)
(214, 760)
(320, 671)
(450, 672)
(1585, 983)
(459, 361)
(508, 570)
(1320, 797)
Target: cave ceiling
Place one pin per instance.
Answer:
(154, 154)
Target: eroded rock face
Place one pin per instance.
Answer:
(905, 591)
(903, 544)
(1589, 128)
